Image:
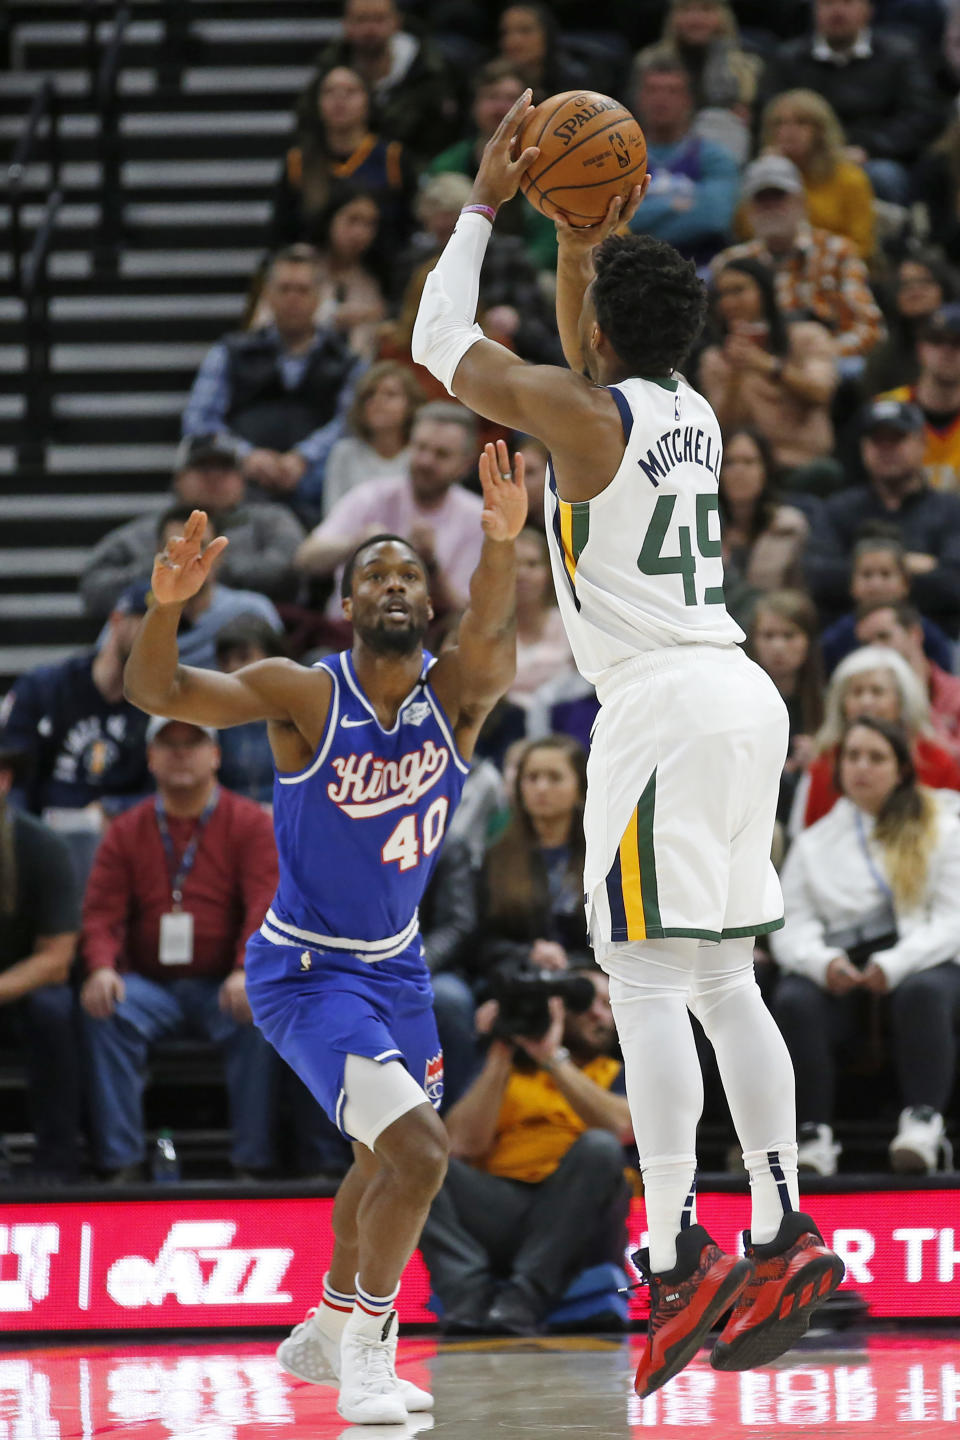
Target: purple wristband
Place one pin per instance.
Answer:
(486, 210)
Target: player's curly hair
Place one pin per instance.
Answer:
(650, 302)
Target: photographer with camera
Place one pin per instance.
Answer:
(872, 900)
(535, 1191)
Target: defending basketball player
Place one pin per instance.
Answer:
(686, 755)
(371, 748)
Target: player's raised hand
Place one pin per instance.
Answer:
(504, 493)
(498, 176)
(584, 238)
(183, 564)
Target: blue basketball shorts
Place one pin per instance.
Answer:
(316, 1008)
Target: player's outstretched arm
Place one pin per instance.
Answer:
(153, 677)
(471, 678)
(559, 406)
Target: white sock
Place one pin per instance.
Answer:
(370, 1311)
(335, 1308)
(670, 1196)
(774, 1189)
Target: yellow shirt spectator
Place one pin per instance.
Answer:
(843, 204)
(536, 1125)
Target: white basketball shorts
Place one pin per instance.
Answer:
(682, 787)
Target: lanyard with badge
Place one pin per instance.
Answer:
(879, 929)
(880, 880)
(176, 925)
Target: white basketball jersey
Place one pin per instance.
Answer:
(639, 566)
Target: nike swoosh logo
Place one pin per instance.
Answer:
(349, 724)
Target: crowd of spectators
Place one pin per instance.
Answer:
(807, 157)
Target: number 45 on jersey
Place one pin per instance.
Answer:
(652, 561)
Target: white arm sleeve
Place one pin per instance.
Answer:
(446, 327)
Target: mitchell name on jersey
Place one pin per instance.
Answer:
(683, 445)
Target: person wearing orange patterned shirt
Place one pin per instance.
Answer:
(937, 393)
(818, 274)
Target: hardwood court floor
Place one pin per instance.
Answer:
(847, 1385)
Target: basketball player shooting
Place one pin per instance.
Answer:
(372, 748)
(687, 751)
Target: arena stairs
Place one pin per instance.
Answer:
(200, 152)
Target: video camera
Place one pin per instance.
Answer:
(522, 994)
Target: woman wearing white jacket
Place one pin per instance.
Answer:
(872, 900)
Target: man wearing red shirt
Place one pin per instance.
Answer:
(899, 626)
(177, 886)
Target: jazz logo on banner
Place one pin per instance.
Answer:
(32, 1246)
(182, 1270)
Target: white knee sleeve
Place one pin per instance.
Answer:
(375, 1093)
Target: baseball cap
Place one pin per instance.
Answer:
(196, 451)
(894, 414)
(160, 722)
(135, 600)
(771, 172)
(944, 323)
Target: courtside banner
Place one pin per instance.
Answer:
(182, 1263)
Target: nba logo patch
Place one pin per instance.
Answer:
(433, 1080)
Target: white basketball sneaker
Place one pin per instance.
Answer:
(920, 1142)
(312, 1352)
(369, 1389)
(817, 1150)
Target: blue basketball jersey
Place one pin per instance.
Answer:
(359, 830)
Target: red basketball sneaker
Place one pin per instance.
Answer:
(684, 1303)
(793, 1274)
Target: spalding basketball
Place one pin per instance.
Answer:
(591, 149)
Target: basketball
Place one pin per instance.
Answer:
(591, 149)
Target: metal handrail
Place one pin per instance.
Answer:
(46, 106)
(106, 94)
(105, 99)
(34, 270)
(35, 293)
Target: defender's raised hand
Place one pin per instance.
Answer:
(504, 493)
(183, 565)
